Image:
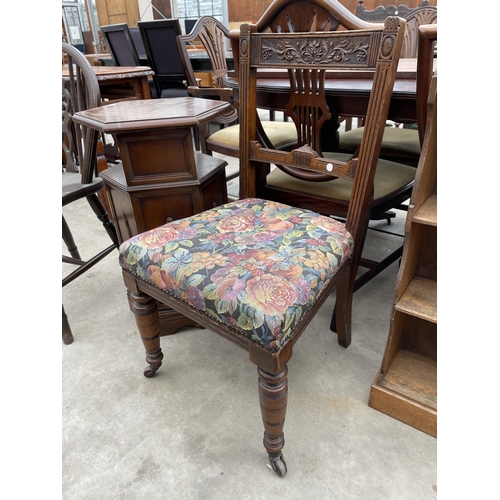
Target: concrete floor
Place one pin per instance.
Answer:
(194, 431)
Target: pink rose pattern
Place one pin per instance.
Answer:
(254, 265)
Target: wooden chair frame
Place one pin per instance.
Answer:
(380, 49)
(415, 17)
(81, 147)
(213, 35)
(288, 16)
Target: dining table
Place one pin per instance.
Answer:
(347, 94)
(119, 82)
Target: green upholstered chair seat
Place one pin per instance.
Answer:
(279, 133)
(389, 177)
(255, 266)
(398, 142)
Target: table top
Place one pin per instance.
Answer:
(114, 72)
(407, 69)
(347, 92)
(150, 114)
(338, 86)
(342, 82)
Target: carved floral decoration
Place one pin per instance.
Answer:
(317, 51)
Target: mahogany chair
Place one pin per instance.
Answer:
(422, 15)
(256, 271)
(401, 143)
(415, 17)
(80, 91)
(213, 36)
(306, 15)
(160, 42)
(287, 16)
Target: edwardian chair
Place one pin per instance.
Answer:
(80, 91)
(401, 143)
(213, 35)
(256, 271)
(159, 39)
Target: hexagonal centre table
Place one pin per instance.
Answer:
(161, 177)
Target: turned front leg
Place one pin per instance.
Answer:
(145, 310)
(273, 395)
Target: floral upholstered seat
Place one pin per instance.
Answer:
(256, 266)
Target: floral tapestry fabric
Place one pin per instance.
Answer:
(254, 265)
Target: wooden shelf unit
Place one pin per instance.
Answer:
(405, 387)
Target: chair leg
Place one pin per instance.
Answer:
(69, 241)
(101, 213)
(342, 312)
(273, 395)
(203, 134)
(67, 335)
(145, 309)
(196, 138)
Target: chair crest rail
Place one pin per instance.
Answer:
(359, 50)
(287, 50)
